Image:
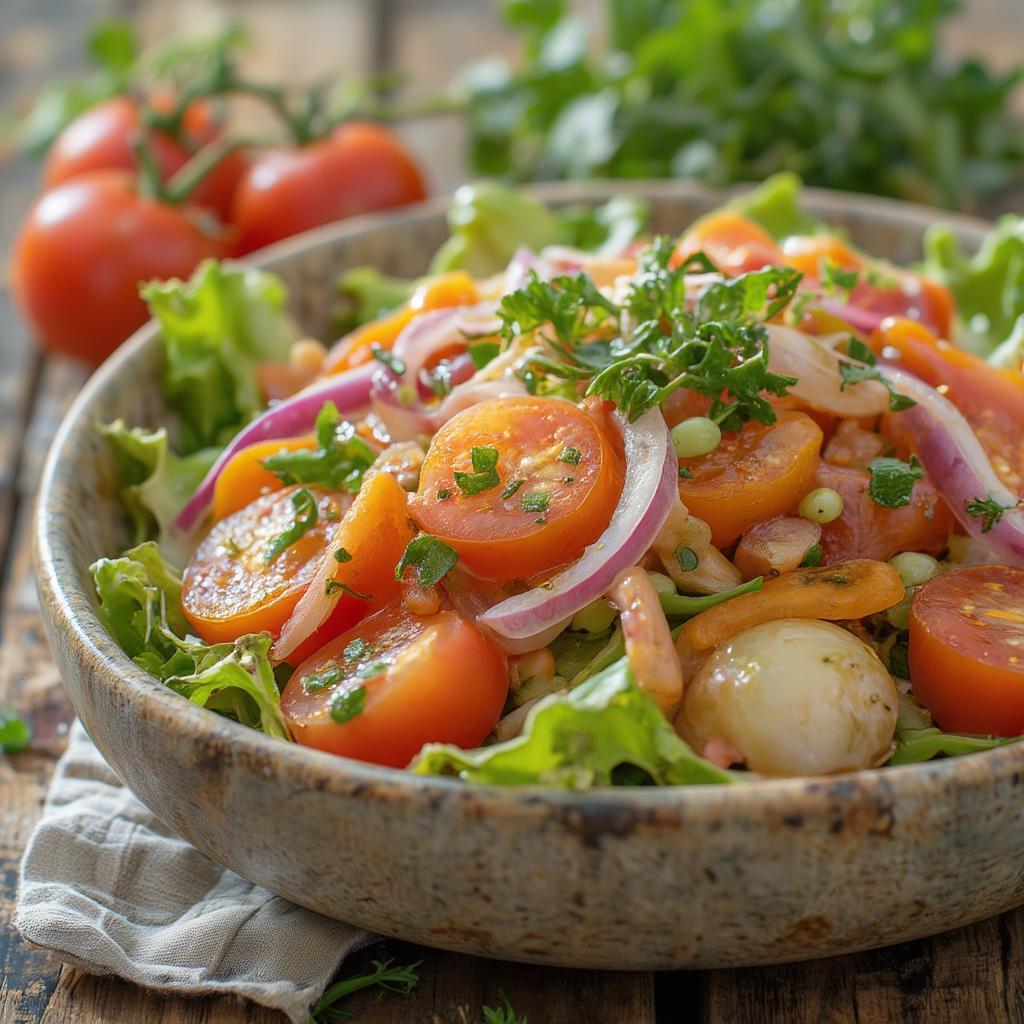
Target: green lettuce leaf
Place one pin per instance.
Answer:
(155, 482)
(364, 294)
(587, 737)
(916, 745)
(140, 603)
(216, 329)
(775, 205)
(988, 286)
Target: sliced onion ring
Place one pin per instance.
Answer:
(349, 391)
(438, 331)
(533, 619)
(958, 466)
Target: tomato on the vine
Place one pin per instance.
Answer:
(359, 167)
(83, 250)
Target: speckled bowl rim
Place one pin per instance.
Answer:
(74, 612)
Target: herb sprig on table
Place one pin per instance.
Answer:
(637, 353)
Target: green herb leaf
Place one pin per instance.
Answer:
(892, 481)
(387, 358)
(511, 487)
(384, 975)
(484, 475)
(336, 464)
(536, 501)
(347, 703)
(15, 732)
(483, 352)
(852, 373)
(333, 587)
(354, 650)
(913, 746)
(990, 510)
(503, 1013)
(322, 680)
(570, 455)
(432, 558)
(305, 519)
(342, 555)
(812, 558)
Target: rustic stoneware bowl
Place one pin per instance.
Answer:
(669, 878)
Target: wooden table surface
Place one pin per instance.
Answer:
(972, 975)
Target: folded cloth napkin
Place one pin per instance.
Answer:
(106, 887)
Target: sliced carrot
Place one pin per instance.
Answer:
(244, 479)
(455, 288)
(846, 590)
(807, 253)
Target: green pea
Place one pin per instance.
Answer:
(914, 567)
(696, 436)
(662, 584)
(595, 618)
(822, 505)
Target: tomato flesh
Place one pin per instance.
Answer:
(229, 588)
(434, 679)
(558, 479)
(967, 649)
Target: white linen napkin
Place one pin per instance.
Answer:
(106, 887)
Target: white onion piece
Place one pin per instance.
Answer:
(472, 392)
(816, 368)
(650, 487)
(349, 391)
(437, 330)
(958, 466)
(402, 422)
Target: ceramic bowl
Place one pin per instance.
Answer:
(648, 878)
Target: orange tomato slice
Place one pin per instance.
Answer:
(435, 679)
(555, 483)
(230, 588)
(734, 243)
(455, 288)
(244, 479)
(967, 649)
(754, 474)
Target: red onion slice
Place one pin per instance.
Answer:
(438, 330)
(650, 487)
(863, 320)
(350, 392)
(472, 392)
(958, 466)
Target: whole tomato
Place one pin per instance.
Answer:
(82, 252)
(102, 138)
(357, 168)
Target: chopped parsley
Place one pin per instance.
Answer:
(536, 501)
(687, 558)
(892, 481)
(482, 352)
(337, 463)
(864, 369)
(354, 650)
(485, 473)
(337, 587)
(444, 493)
(388, 359)
(372, 669)
(685, 474)
(431, 557)
(570, 455)
(305, 519)
(990, 510)
(511, 487)
(346, 704)
(835, 280)
(321, 680)
(342, 555)
(812, 558)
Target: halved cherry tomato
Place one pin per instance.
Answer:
(374, 533)
(229, 588)
(755, 474)
(357, 168)
(553, 490)
(455, 288)
(102, 138)
(435, 679)
(967, 649)
(734, 243)
(991, 400)
(867, 530)
(82, 251)
(244, 479)
(889, 291)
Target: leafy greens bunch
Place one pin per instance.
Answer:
(853, 94)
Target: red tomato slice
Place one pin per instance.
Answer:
(435, 679)
(867, 530)
(967, 649)
(229, 588)
(553, 489)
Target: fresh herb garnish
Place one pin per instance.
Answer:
(685, 473)
(342, 555)
(502, 1014)
(321, 680)
(372, 669)
(812, 558)
(444, 493)
(864, 369)
(333, 587)
(354, 650)
(990, 510)
(484, 475)
(337, 463)
(383, 976)
(570, 455)
(835, 280)
(892, 481)
(482, 352)
(536, 501)
(346, 704)
(687, 558)
(511, 487)
(15, 733)
(387, 358)
(305, 519)
(431, 557)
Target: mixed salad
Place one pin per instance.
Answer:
(586, 506)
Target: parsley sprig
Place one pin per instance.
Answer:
(638, 353)
(864, 369)
(304, 505)
(337, 463)
(990, 510)
(385, 975)
(485, 472)
(430, 556)
(892, 481)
